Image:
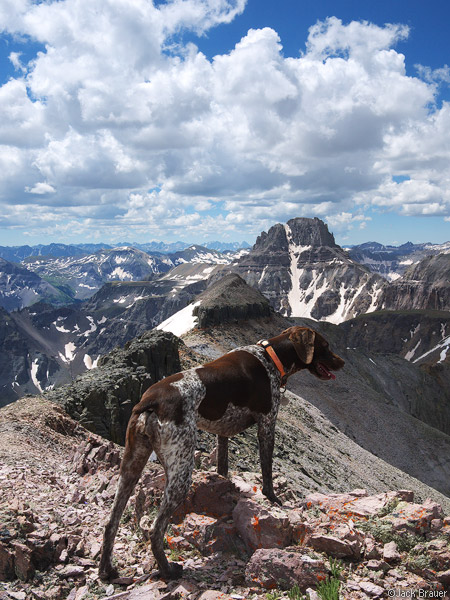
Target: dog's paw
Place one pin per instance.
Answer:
(173, 571)
(108, 572)
(272, 497)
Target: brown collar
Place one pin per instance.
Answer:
(273, 355)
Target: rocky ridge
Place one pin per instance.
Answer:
(102, 399)
(232, 543)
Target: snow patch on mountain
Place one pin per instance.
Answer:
(33, 375)
(182, 321)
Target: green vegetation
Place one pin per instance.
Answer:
(329, 588)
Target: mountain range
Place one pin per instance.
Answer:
(89, 304)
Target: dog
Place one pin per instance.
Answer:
(224, 397)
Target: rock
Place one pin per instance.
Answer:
(391, 553)
(371, 549)
(444, 577)
(71, 571)
(184, 589)
(301, 529)
(413, 517)
(206, 533)
(260, 527)
(6, 563)
(274, 568)
(214, 595)
(230, 299)
(210, 494)
(102, 399)
(377, 565)
(23, 563)
(373, 590)
(334, 546)
(356, 503)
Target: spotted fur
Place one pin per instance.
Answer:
(224, 397)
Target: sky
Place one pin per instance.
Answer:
(201, 120)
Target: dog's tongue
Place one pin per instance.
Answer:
(328, 372)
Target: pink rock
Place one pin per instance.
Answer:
(444, 577)
(210, 494)
(184, 589)
(22, 560)
(377, 565)
(274, 568)
(6, 563)
(371, 589)
(207, 534)
(260, 527)
(414, 517)
(214, 595)
(391, 553)
(334, 546)
(356, 503)
(301, 528)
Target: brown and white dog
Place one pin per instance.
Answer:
(223, 397)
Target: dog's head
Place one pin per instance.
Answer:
(313, 352)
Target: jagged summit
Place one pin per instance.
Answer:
(300, 231)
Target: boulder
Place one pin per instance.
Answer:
(275, 568)
(260, 527)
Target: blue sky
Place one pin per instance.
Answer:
(214, 119)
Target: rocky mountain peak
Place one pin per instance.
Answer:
(300, 231)
(310, 232)
(230, 299)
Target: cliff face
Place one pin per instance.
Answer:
(102, 399)
(304, 273)
(425, 285)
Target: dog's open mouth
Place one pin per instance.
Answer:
(323, 372)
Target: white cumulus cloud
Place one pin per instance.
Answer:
(119, 125)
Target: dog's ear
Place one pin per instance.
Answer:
(303, 340)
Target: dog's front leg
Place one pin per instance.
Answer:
(266, 439)
(222, 455)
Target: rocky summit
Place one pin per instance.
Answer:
(233, 544)
(304, 273)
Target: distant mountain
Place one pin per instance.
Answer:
(161, 247)
(303, 272)
(392, 261)
(20, 287)
(20, 253)
(226, 246)
(200, 254)
(86, 274)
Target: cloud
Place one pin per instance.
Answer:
(41, 188)
(120, 123)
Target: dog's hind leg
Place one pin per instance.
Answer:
(266, 439)
(178, 461)
(222, 455)
(137, 451)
